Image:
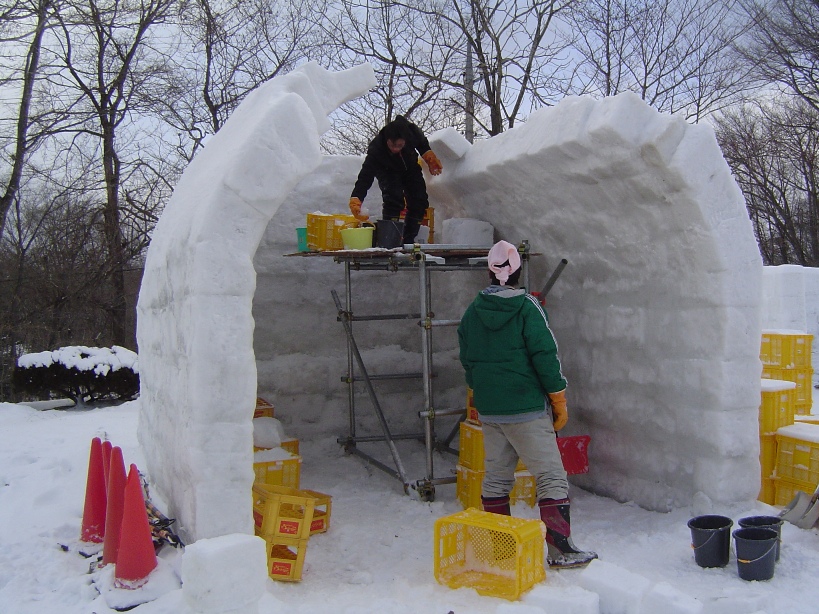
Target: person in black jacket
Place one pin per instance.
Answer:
(392, 159)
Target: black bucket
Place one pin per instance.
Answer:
(756, 553)
(711, 540)
(389, 233)
(765, 522)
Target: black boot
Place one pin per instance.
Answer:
(561, 549)
(496, 505)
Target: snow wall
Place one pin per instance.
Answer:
(194, 322)
(657, 315)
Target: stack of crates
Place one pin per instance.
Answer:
(797, 461)
(470, 468)
(284, 472)
(498, 556)
(470, 471)
(286, 518)
(777, 410)
(786, 355)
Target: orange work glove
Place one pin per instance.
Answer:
(355, 209)
(559, 411)
(434, 164)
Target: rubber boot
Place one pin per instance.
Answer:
(496, 505)
(562, 552)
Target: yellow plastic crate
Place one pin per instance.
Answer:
(778, 405)
(263, 409)
(767, 491)
(282, 512)
(786, 349)
(785, 490)
(468, 484)
(525, 488)
(321, 512)
(470, 446)
(767, 454)
(797, 454)
(498, 556)
(324, 230)
(804, 409)
(286, 472)
(285, 558)
(801, 376)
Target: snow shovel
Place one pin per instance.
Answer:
(803, 510)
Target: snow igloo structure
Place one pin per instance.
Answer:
(656, 315)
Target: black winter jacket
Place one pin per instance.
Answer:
(380, 162)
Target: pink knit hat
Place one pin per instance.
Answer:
(498, 255)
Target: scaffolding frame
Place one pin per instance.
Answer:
(424, 259)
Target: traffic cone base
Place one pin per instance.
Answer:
(93, 514)
(137, 557)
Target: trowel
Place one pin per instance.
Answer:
(803, 510)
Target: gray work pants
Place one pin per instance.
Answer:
(534, 442)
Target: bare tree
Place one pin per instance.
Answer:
(676, 54)
(226, 49)
(784, 46)
(106, 51)
(773, 149)
(517, 57)
(14, 30)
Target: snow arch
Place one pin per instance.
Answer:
(657, 315)
(194, 323)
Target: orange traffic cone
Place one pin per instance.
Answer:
(93, 513)
(113, 513)
(106, 459)
(137, 557)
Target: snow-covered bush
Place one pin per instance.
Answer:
(81, 373)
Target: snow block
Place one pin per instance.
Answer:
(620, 591)
(666, 599)
(449, 144)
(466, 231)
(563, 599)
(225, 574)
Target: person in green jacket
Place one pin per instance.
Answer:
(510, 358)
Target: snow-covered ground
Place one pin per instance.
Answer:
(377, 555)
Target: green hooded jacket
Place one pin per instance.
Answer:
(509, 353)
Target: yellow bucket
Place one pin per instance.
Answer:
(357, 238)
